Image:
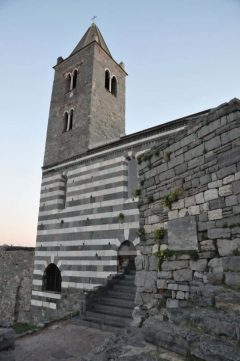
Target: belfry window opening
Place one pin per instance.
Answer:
(114, 86)
(74, 79)
(107, 80)
(68, 121)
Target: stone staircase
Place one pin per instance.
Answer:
(112, 310)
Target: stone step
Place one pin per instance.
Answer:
(121, 295)
(125, 289)
(113, 310)
(103, 318)
(94, 323)
(129, 283)
(117, 302)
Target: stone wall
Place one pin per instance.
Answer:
(16, 271)
(190, 211)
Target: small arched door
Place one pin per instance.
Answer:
(52, 279)
(126, 257)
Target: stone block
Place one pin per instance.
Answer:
(215, 184)
(173, 214)
(178, 205)
(182, 234)
(190, 201)
(228, 179)
(173, 286)
(172, 303)
(7, 338)
(139, 263)
(182, 213)
(153, 263)
(215, 278)
(207, 245)
(200, 265)
(147, 280)
(231, 200)
(162, 284)
(231, 263)
(214, 233)
(199, 198)
(215, 214)
(210, 194)
(180, 295)
(194, 210)
(165, 274)
(226, 246)
(232, 279)
(184, 288)
(225, 190)
(183, 275)
(174, 265)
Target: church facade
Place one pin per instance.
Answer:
(89, 212)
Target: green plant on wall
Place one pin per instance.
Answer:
(158, 234)
(167, 155)
(150, 199)
(236, 252)
(121, 217)
(172, 197)
(166, 254)
(141, 233)
(136, 192)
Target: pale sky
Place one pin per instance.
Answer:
(182, 56)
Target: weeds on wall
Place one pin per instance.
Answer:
(136, 192)
(121, 217)
(141, 233)
(158, 234)
(172, 197)
(165, 255)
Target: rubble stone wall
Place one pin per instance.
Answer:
(190, 210)
(16, 271)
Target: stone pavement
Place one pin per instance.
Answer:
(61, 341)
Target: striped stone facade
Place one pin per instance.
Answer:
(79, 229)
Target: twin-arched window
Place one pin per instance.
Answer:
(71, 80)
(68, 121)
(110, 83)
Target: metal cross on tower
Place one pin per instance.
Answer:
(93, 18)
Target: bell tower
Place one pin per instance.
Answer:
(88, 100)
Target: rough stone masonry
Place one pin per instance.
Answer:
(190, 211)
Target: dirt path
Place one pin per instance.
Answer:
(62, 341)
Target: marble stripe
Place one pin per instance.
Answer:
(69, 254)
(127, 212)
(43, 304)
(99, 227)
(87, 242)
(47, 294)
(94, 205)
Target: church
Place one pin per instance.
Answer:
(88, 225)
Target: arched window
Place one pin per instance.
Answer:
(74, 84)
(65, 122)
(107, 80)
(70, 120)
(68, 83)
(52, 279)
(114, 86)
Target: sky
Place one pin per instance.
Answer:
(182, 57)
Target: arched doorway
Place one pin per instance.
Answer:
(126, 257)
(52, 279)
